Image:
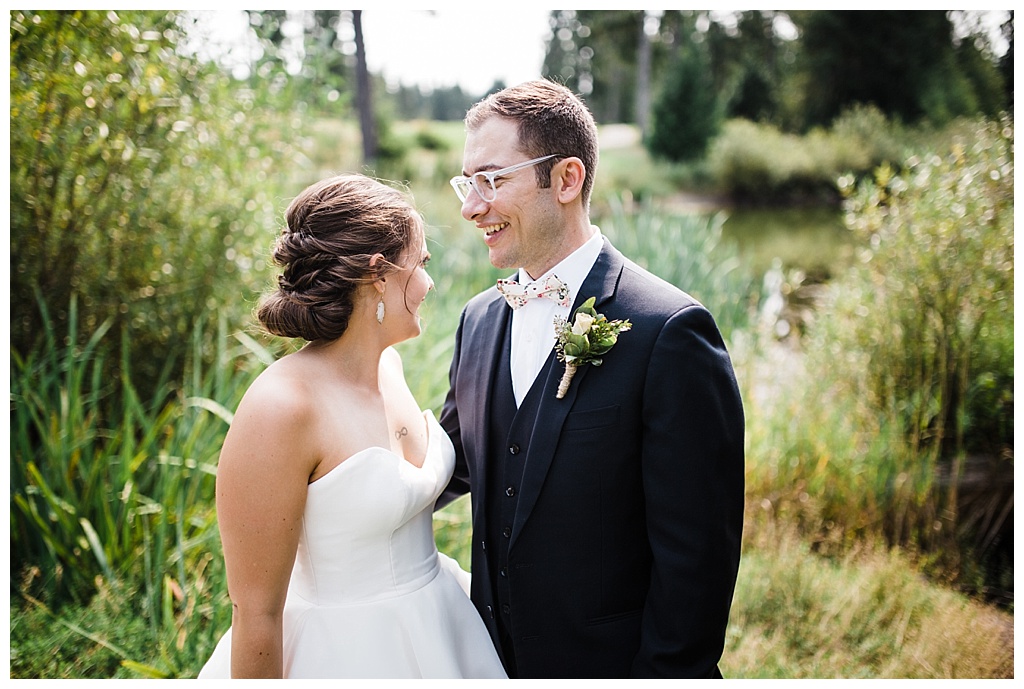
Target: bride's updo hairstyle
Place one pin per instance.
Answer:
(334, 227)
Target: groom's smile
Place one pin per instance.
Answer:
(492, 230)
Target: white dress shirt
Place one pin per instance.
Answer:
(533, 327)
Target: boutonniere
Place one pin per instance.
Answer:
(585, 340)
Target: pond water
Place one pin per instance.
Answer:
(811, 239)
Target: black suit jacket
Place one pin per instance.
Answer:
(626, 542)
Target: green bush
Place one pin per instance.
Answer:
(91, 642)
(909, 366)
(758, 162)
(430, 140)
(114, 636)
(761, 164)
(938, 271)
(632, 172)
(797, 615)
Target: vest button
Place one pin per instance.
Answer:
(506, 532)
(513, 449)
(490, 612)
(503, 572)
(505, 609)
(510, 491)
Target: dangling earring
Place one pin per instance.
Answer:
(380, 309)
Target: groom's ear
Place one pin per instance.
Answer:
(567, 177)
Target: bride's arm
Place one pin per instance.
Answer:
(262, 479)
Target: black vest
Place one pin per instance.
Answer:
(510, 434)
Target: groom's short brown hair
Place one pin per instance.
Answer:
(550, 119)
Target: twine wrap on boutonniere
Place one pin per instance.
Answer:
(585, 340)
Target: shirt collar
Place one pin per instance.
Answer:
(575, 267)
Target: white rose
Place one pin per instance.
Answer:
(582, 324)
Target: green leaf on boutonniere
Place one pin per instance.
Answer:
(584, 340)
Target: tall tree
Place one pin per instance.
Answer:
(1006, 61)
(301, 53)
(567, 60)
(907, 63)
(687, 114)
(619, 59)
(364, 100)
(594, 52)
(900, 60)
(643, 72)
(324, 61)
(268, 25)
(760, 66)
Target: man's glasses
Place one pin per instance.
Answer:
(483, 182)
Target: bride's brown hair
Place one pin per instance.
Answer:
(333, 229)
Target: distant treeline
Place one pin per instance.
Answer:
(792, 69)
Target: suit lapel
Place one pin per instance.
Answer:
(601, 283)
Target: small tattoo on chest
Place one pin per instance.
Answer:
(401, 432)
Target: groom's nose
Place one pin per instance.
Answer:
(474, 206)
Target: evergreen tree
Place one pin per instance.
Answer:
(904, 62)
(687, 115)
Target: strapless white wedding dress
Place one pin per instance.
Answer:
(370, 596)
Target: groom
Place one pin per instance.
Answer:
(606, 523)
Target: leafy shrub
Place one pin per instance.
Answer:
(91, 642)
(115, 634)
(759, 163)
(430, 140)
(938, 262)
(631, 171)
(867, 614)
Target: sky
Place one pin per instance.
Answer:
(438, 48)
(430, 48)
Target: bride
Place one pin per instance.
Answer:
(328, 476)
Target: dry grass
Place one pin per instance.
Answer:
(799, 615)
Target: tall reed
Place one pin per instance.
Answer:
(688, 251)
(108, 489)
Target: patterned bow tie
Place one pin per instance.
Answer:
(517, 295)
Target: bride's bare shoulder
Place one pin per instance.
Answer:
(285, 391)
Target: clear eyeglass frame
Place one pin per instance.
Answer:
(483, 182)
